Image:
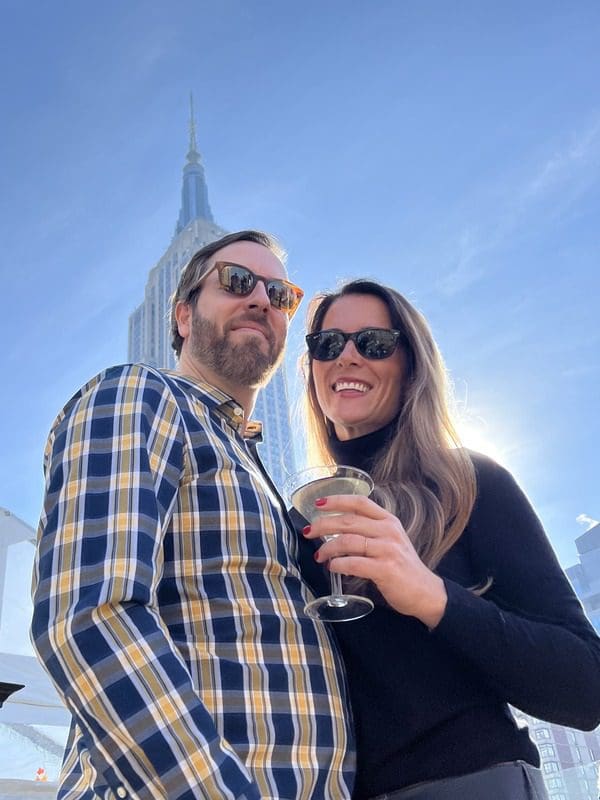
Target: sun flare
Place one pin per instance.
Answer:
(475, 434)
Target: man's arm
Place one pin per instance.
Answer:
(113, 466)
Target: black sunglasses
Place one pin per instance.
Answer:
(240, 280)
(374, 343)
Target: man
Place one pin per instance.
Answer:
(168, 602)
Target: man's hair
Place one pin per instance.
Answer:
(197, 267)
(422, 475)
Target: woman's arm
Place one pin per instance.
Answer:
(527, 634)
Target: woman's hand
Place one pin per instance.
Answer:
(374, 545)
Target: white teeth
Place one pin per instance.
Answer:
(359, 387)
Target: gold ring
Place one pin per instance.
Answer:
(366, 546)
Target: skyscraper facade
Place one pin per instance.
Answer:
(571, 759)
(149, 339)
(585, 575)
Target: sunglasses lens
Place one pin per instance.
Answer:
(281, 296)
(325, 345)
(376, 343)
(236, 279)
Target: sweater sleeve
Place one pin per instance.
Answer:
(528, 634)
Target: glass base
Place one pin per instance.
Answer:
(339, 608)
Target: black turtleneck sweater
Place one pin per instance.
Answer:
(428, 705)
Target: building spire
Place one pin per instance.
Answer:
(193, 155)
(194, 193)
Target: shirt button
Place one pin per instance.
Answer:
(238, 411)
(121, 792)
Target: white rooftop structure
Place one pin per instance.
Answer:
(33, 721)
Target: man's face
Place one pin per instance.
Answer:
(240, 339)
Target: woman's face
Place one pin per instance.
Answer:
(359, 395)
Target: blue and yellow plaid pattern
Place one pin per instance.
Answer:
(168, 606)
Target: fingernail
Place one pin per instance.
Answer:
(320, 501)
(306, 530)
(317, 556)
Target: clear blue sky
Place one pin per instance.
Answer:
(451, 149)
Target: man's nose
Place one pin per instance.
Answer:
(258, 297)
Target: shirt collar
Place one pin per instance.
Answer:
(234, 413)
(226, 406)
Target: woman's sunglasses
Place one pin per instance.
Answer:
(374, 343)
(241, 281)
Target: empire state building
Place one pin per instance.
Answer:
(149, 339)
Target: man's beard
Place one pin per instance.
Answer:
(247, 363)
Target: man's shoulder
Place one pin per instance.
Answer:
(131, 373)
(127, 403)
(121, 385)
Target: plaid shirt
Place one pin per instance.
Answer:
(169, 606)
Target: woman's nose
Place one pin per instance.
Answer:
(349, 354)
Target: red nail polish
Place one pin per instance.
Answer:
(316, 555)
(320, 501)
(306, 530)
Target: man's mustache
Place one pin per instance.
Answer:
(257, 319)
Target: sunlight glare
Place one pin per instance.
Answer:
(475, 434)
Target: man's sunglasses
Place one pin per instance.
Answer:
(373, 343)
(241, 281)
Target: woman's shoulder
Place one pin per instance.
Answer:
(486, 468)
(495, 484)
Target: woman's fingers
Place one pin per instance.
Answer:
(384, 526)
(350, 503)
(349, 545)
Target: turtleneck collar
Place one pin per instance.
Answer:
(361, 451)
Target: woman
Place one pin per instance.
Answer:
(472, 611)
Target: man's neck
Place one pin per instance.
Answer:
(244, 395)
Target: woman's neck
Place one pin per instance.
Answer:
(361, 451)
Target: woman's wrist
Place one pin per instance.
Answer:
(434, 603)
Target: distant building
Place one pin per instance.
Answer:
(570, 759)
(149, 339)
(585, 576)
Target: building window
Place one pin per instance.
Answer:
(554, 783)
(542, 733)
(550, 766)
(547, 751)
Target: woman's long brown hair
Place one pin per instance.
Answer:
(423, 476)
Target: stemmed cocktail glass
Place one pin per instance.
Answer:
(303, 488)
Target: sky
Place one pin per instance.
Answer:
(449, 149)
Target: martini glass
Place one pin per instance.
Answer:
(303, 488)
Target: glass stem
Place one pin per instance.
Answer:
(337, 593)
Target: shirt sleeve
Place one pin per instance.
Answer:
(113, 464)
(528, 633)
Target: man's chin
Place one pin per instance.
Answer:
(252, 363)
